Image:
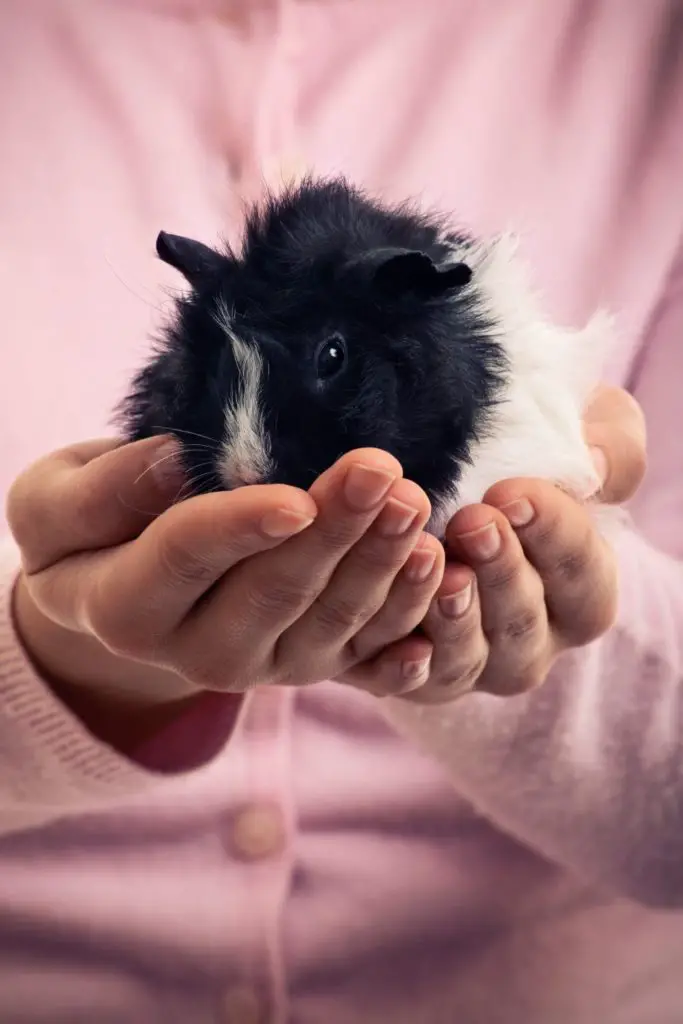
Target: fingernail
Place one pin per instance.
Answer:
(519, 513)
(455, 605)
(365, 486)
(165, 466)
(420, 566)
(284, 522)
(482, 544)
(411, 671)
(600, 463)
(395, 519)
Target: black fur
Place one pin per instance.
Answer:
(423, 366)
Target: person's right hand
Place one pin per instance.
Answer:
(124, 590)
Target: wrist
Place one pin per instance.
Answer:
(121, 701)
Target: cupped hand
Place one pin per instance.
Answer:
(528, 575)
(125, 590)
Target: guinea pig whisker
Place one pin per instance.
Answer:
(194, 449)
(201, 474)
(147, 302)
(198, 448)
(185, 493)
(153, 466)
(150, 512)
(165, 458)
(194, 490)
(190, 433)
(201, 470)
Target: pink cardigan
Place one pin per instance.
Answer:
(338, 859)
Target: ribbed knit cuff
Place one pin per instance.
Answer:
(50, 764)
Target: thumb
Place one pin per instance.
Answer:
(91, 495)
(614, 427)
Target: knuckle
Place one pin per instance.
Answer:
(283, 593)
(180, 564)
(501, 577)
(523, 621)
(463, 634)
(469, 676)
(382, 557)
(458, 680)
(521, 625)
(544, 534)
(340, 614)
(456, 638)
(339, 533)
(464, 655)
(572, 565)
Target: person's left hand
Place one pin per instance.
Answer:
(528, 576)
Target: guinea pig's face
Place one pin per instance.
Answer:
(340, 326)
(347, 360)
(300, 394)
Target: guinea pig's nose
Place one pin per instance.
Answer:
(244, 479)
(235, 473)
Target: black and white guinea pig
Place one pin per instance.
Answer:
(345, 323)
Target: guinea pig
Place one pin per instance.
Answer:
(343, 322)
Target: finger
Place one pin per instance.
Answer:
(574, 563)
(268, 594)
(407, 602)
(614, 426)
(132, 595)
(91, 496)
(453, 624)
(400, 669)
(511, 597)
(361, 582)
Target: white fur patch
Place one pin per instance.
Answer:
(246, 451)
(536, 430)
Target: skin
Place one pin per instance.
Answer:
(133, 606)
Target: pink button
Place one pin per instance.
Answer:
(258, 832)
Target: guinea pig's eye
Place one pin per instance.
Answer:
(330, 357)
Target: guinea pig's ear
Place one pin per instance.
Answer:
(402, 271)
(194, 260)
